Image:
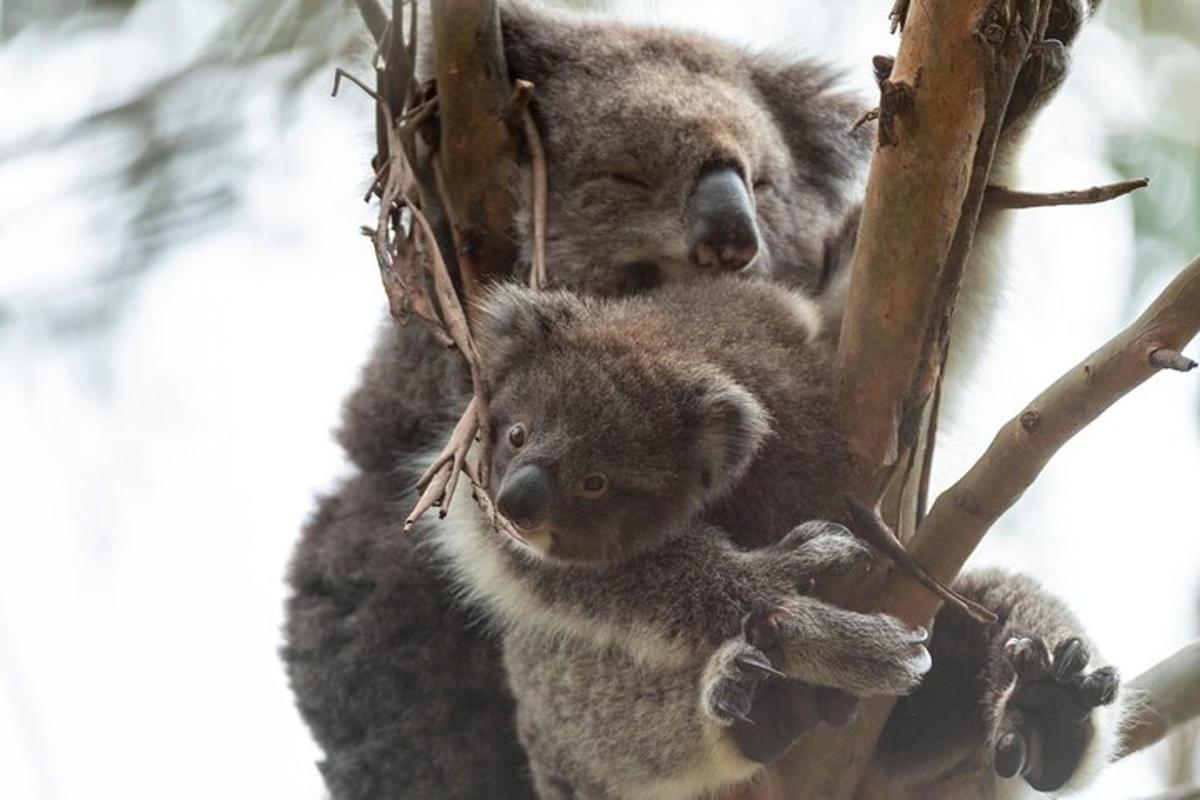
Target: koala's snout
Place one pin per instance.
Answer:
(723, 233)
(525, 495)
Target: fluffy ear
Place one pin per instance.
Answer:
(816, 119)
(514, 321)
(734, 424)
(536, 40)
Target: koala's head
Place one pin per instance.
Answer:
(601, 446)
(671, 154)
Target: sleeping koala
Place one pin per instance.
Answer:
(670, 156)
(621, 427)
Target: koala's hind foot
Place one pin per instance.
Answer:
(1046, 725)
(766, 713)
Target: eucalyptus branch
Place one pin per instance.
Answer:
(1003, 197)
(1165, 697)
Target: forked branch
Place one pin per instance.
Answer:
(966, 511)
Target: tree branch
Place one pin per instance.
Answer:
(1003, 197)
(966, 511)
(1165, 696)
(478, 142)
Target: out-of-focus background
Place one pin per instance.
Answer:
(185, 297)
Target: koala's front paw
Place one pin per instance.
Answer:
(815, 548)
(864, 654)
(731, 679)
(764, 713)
(1046, 725)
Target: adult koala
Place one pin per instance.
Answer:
(670, 155)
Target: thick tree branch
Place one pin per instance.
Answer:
(478, 136)
(1165, 696)
(940, 114)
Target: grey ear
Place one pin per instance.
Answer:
(815, 119)
(514, 321)
(734, 425)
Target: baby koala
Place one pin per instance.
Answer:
(634, 626)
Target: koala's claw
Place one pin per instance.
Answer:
(737, 670)
(753, 661)
(1046, 724)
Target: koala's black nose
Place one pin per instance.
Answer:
(525, 494)
(723, 233)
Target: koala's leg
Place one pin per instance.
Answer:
(1011, 707)
(403, 694)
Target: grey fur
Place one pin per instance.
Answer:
(622, 604)
(402, 692)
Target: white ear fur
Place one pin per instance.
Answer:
(734, 426)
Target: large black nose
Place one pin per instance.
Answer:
(525, 495)
(723, 233)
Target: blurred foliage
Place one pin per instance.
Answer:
(1165, 38)
(169, 161)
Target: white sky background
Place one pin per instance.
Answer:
(154, 476)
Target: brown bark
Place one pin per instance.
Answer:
(939, 121)
(478, 148)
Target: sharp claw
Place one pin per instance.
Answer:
(732, 711)
(1070, 659)
(1099, 688)
(918, 635)
(756, 663)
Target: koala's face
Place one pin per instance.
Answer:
(671, 155)
(593, 468)
(601, 447)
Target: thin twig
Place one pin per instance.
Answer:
(1003, 197)
(438, 483)
(868, 526)
(537, 160)
(340, 73)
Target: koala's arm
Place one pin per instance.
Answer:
(691, 596)
(1019, 700)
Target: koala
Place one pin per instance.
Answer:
(671, 156)
(619, 425)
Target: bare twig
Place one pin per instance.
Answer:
(1003, 197)
(1164, 697)
(340, 73)
(537, 160)
(439, 481)
(868, 525)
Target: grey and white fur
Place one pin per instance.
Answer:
(655, 139)
(623, 427)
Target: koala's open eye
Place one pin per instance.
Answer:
(516, 436)
(595, 484)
